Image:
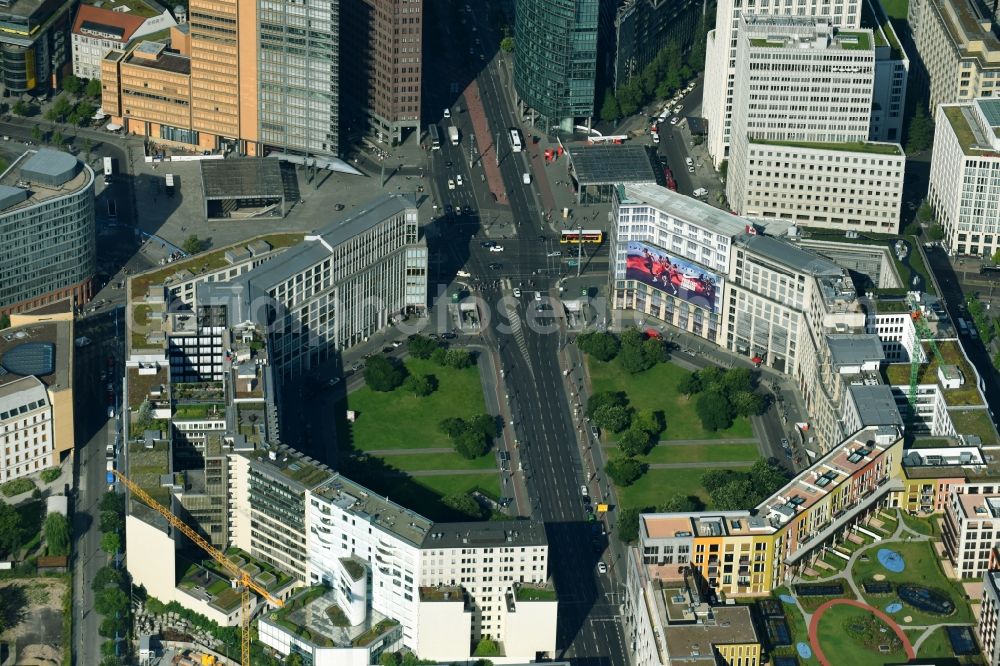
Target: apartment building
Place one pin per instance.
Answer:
(958, 48)
(34, 40)
(382, 87)
(720, 56)
(241, 79)
(987, 627)
(36, 391)
(805, 158)
(671, 254)
(47, 239)
(100, 28)
(965, 176)
(968, 534)
(749, 553)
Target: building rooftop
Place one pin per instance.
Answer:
(42, 350)
(140, 8)
(314, 616)
(868, 147)
(381, 512)
(610, 164)
(969, 29)
(37, 176)
(244, 177)
(727, 625)
(107, 24)
(855, 349)
(966, 395)
(876, 405)
(684, 208)
(155, 55)
(800, 32)
(486, 534)
(791, 255)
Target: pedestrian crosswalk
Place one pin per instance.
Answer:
(517, 330)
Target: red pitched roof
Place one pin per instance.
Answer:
(119, 26)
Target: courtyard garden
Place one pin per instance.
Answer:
(853, 635)
(423, 439)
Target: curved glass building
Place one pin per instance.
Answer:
(555, 58)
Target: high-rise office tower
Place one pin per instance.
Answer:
(555, 59)
(383, 41)
(720, 55)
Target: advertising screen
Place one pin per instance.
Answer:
(678, 277)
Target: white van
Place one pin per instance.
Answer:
(526, 178)
(701, 192)
(447, 113)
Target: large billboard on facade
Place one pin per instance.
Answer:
(678, 277)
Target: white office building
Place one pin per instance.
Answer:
(892, 67)
(670, 255)
(720, 56)
(964, 187)
(801, 121)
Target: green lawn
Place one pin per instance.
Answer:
(656, 484)
(895, 9)
(400, 420)
(935, 645)
(838, 645)
(927, 526)
(656, 389)
(708, 452)
(426, 461)
(922, 568)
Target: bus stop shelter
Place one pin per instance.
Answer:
(597, 169)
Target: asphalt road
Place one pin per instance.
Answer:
(529, 343)
(96, 430)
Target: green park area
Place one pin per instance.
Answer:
(657, 389)
(398, 447)
(854, 636)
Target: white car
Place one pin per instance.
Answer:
(463, 274)
(656, 137)
(701, 192)
(678, 109)
(458, 179)
(690, 168)
(602, 568)
(496, 248)
(554, 253)
(517, 292)
(688, 161)
(674, 120)
(447, 113)
(451, 184)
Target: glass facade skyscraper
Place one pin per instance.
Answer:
(555, 58)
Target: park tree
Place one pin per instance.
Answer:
(681, 503)
(420, 385)
(20, 108)
(714, 410)
(653, 422)
(748, 403)
(609, 109)
(57, 536)
(631, 337)
(452, 426)
(716, 478)
(602, 398)
(94, 88)
(420, 346)
(72, 85)
(920, 132)
(624, 471)
(471, 444)
(736, 495)
(634, 442)
(383, 374)
(10, 529)
(193, 245)
(459, 358)
(690, 384)
(628, 525)
(633, 360)
(464, 504)
(485, 424)
(736, 381)
(110, 543)
(599, 344)
(767, 477)
(612, 417)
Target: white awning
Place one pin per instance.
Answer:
(113, 127)
(100, 115)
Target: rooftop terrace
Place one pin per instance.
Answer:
(313, 615)
(870, 147)
(898, 374)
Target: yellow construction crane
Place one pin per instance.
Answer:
(246, 582)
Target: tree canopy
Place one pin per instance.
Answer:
(599, 344)
(383, 374)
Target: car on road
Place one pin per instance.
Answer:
(451, 184)
(602, 568)
(463, 273)
(496, 248)
(691, 168)
(111, 412)
(487, 244)
(397, 343)
(517, 292)
(595, 432)
(554, 253)
(447, 113)
(495, 266)
(538, 296)
(688, 161)
(584, 491)
(700, 192)
(674, 120)
(458, 210)
(458, 180)
(784, 443)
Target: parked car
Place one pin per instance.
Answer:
(517, 292)
(496, 248)
(602, 568)
(451, 184)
